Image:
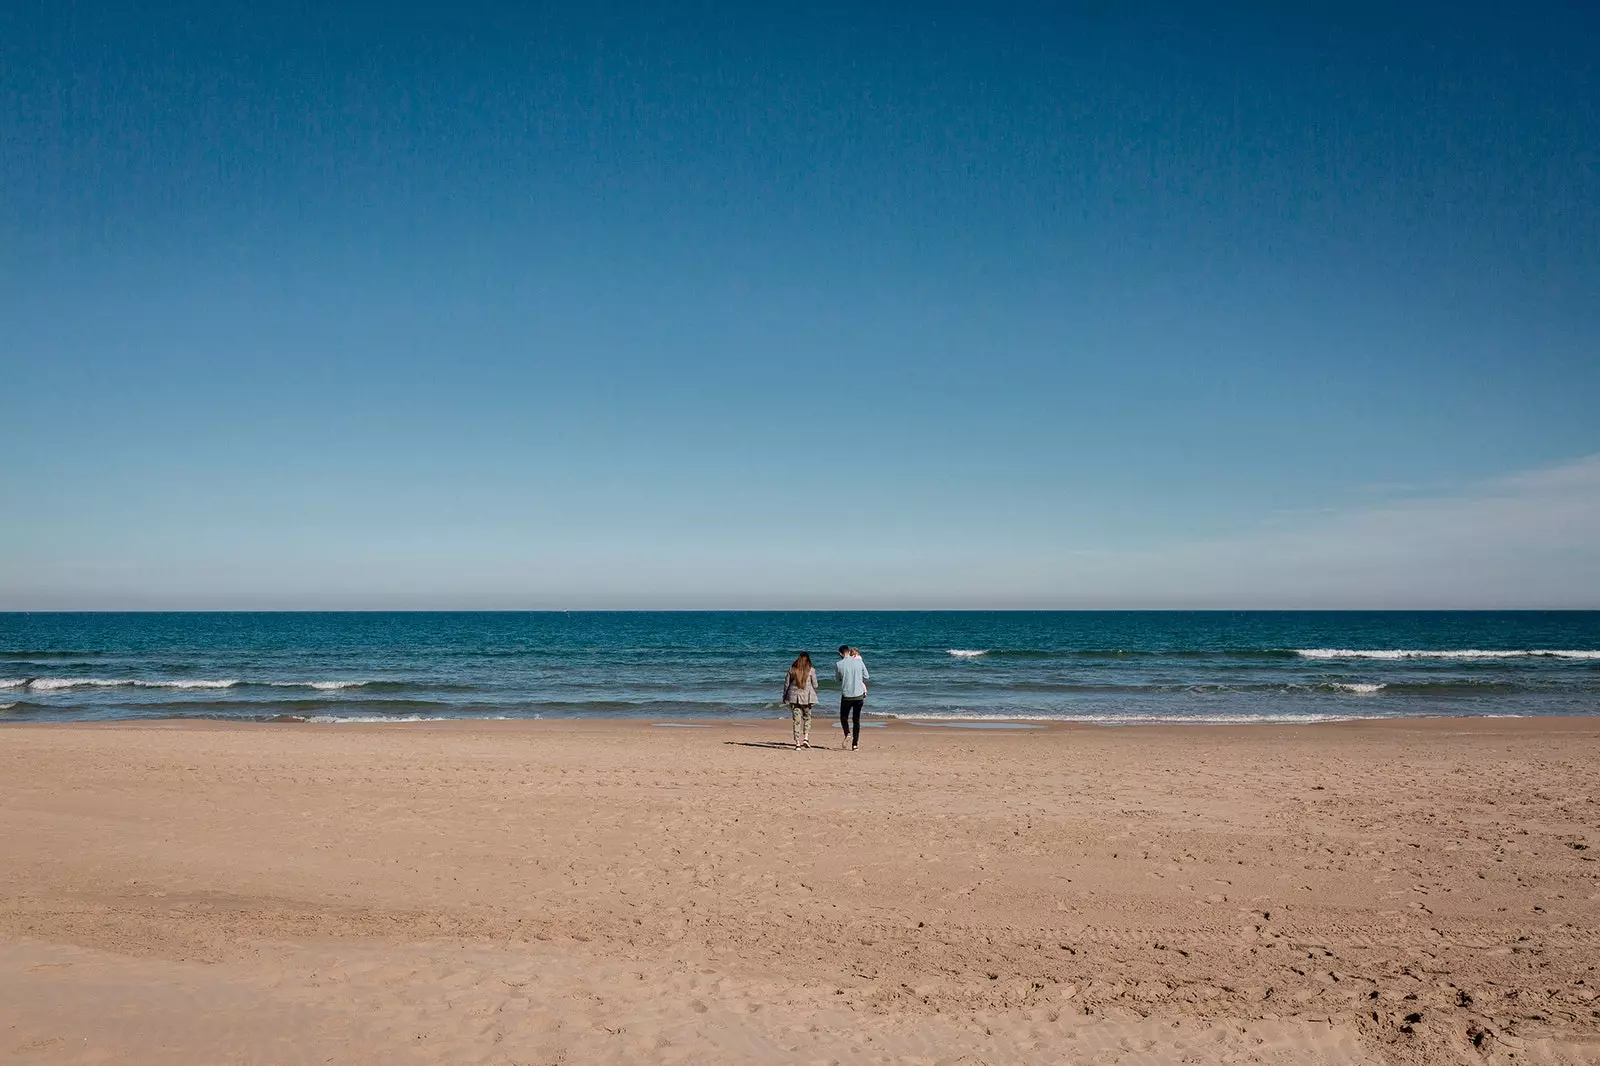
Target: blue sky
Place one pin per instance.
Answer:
(869, 305)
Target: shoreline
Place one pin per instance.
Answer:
(825, 718)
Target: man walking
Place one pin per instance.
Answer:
(851, 670)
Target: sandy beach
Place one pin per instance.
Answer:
(598, 892)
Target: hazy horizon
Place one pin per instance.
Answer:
(839, 610)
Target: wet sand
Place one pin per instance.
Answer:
(594, 892)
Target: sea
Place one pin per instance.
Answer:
(1113, 667)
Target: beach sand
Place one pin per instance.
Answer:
(600, 892)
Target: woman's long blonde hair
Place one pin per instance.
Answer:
(799, 669)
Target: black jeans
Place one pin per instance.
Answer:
(850, 717)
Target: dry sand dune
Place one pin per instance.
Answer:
(588, 892)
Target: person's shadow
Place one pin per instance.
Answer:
(759, 744)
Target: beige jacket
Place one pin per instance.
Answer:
(804, 695)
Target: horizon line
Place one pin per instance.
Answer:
(802, 610)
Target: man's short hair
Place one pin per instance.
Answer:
(844, 649)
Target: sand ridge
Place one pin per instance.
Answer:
(537, 892)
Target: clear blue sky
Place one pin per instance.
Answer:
(1096, 305)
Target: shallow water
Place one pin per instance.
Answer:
(981, 725)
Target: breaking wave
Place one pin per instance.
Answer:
(1467, 653)
(1128, 719)
(47, 654)
(1273, 653)
(350, 719)
(56, 684)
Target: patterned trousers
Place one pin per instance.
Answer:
(802, 722)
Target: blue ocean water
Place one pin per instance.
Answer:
(945, 666)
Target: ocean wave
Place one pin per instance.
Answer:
(1119, 654)
(1274, 653)
(1365, 688)
(349, 719)
(54, 684)
(309, 704)
(1465, 653)
(1000, 691)
(39, 667)
(1129, 719)
(47, 653)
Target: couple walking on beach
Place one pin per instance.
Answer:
(800, 693)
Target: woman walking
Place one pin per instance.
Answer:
(800, 693)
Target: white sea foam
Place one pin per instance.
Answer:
(186, 684)
(344, 719)
(53, 684)
(980, 725)
(1128, 719)
(1468, 653)
(1361, 688)
(966, 653)
(348, 719)
(6, 706)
